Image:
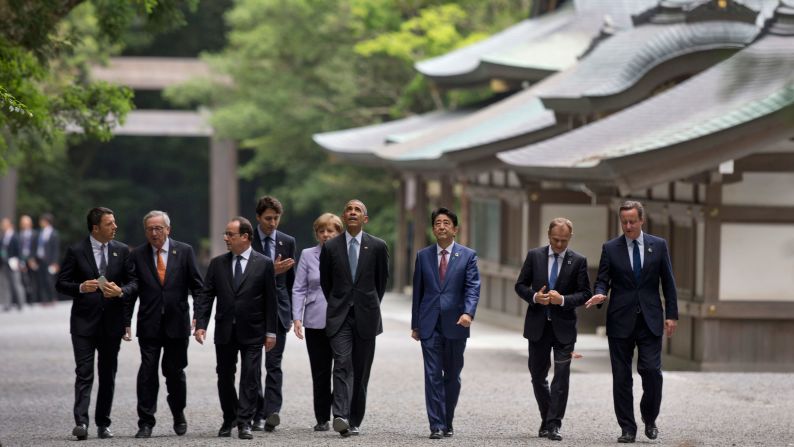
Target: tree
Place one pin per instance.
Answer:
(307, 66)
(45, 50)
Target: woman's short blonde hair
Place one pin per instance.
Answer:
(328, 219)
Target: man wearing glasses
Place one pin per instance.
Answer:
(245, 321)
(167, 272)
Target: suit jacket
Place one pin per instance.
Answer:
(572, 282)
(308, 301)
(363, 292)
(165, 305)
(9, 249)
(615, 274)
(285, 246)
(92, 313)
(435, 301)
(52, 248)
(249, 309)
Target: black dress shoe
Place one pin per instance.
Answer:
(449, 432)
(436, 434)
(354, 431)
(244, 431)
(144, 432)
(104, 433)
(272, 421)
(180, 424)
(225, 431)
(543, 432)
(81, 431)
(651, 431)
(554, 434)
(342, 427)
(322, 426)
(627, 437)
(258, 425)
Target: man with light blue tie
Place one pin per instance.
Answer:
(633, 266)
(446, 290)
(554, 282)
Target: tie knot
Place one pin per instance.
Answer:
(102, 247)
(354, 241)
(636, 244)
(239, 257)
(556, 255)
(444, 252)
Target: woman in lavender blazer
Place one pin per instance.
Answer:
(308, 310)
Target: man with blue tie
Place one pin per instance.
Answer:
(446, 290)
(633, 266)
(553, 281)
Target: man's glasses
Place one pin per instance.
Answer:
(155, 229)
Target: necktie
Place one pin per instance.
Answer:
(160, 267)
(269, 248)
(238, 271)
(637, 263)
(103, 262)
(352, 256)
(553, 274)
(442, 268)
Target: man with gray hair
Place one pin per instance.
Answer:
(167, 272)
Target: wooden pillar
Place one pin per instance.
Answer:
(533, 228)
(464, 233)
(447, 199)
(420, 216)
(224, 196)
(401, 261)
(8, 193)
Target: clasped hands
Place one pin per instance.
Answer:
(545, 298)
(109, 290)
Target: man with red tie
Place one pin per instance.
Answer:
(446, 290)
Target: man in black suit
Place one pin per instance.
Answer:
(245, 320)
(48, 254)
(10, 265)
(279, 247)
(554, 281)
(99, 276)
(354, 268)
(166, 272)
(27, 258)
(633, 266)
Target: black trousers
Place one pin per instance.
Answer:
(353, 357)
(649, 367)
(45, 284)
(107, 349)
(270, 397)
(174, 352)
(553, 400)
(238, 410)
(321, 360)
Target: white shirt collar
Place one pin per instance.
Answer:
(551, 253)
(348, 237)
(448, 249)
(96, 244)
(246, 254)
(262, 234)
(166, 245)
(640, 240)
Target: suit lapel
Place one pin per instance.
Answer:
(647, 245)
(173, 259)
(248, 267)
(623, 258)
(565, 269)
(544, 263)
(228, 273)
(148, 258)
(88, 251)
(113, 259)
(452, 263)
(363, 254)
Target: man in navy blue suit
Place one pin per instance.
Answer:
(446, 290)
(633, 266)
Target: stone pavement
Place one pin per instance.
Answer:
(496, 407)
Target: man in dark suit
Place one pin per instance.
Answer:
(354, 268)
(633, 266)
(446, 290)
(553, 281)
(48, 254)
(10, 265)
(280, 248)
(245, 320)
(166, 272)
(99, 276)
(27, 258)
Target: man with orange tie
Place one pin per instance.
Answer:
(167, 272)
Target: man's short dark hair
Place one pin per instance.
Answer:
(633, 205)
(94, 216)
(48, 217)
(268, 202)
(452, 216)
(245, 227)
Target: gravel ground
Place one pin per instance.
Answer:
(496, 406)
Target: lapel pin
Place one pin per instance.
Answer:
(457, 254)
(650, 250)
(280, 243)
(365, 247)
(569, 262)
(173, 252)
(115, 254)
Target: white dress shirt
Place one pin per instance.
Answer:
(630, 244)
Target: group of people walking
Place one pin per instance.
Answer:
(29, 261)
(332, 298)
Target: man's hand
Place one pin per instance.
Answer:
(199, 335)
(282, 266)
(89, 286)
(595, 299)
(555, 297)
(111, 290)
(541, 297)
(127, 334)
(415, 334)
(270, 342)
(669, 327)
(464, 320)
(298, 329)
